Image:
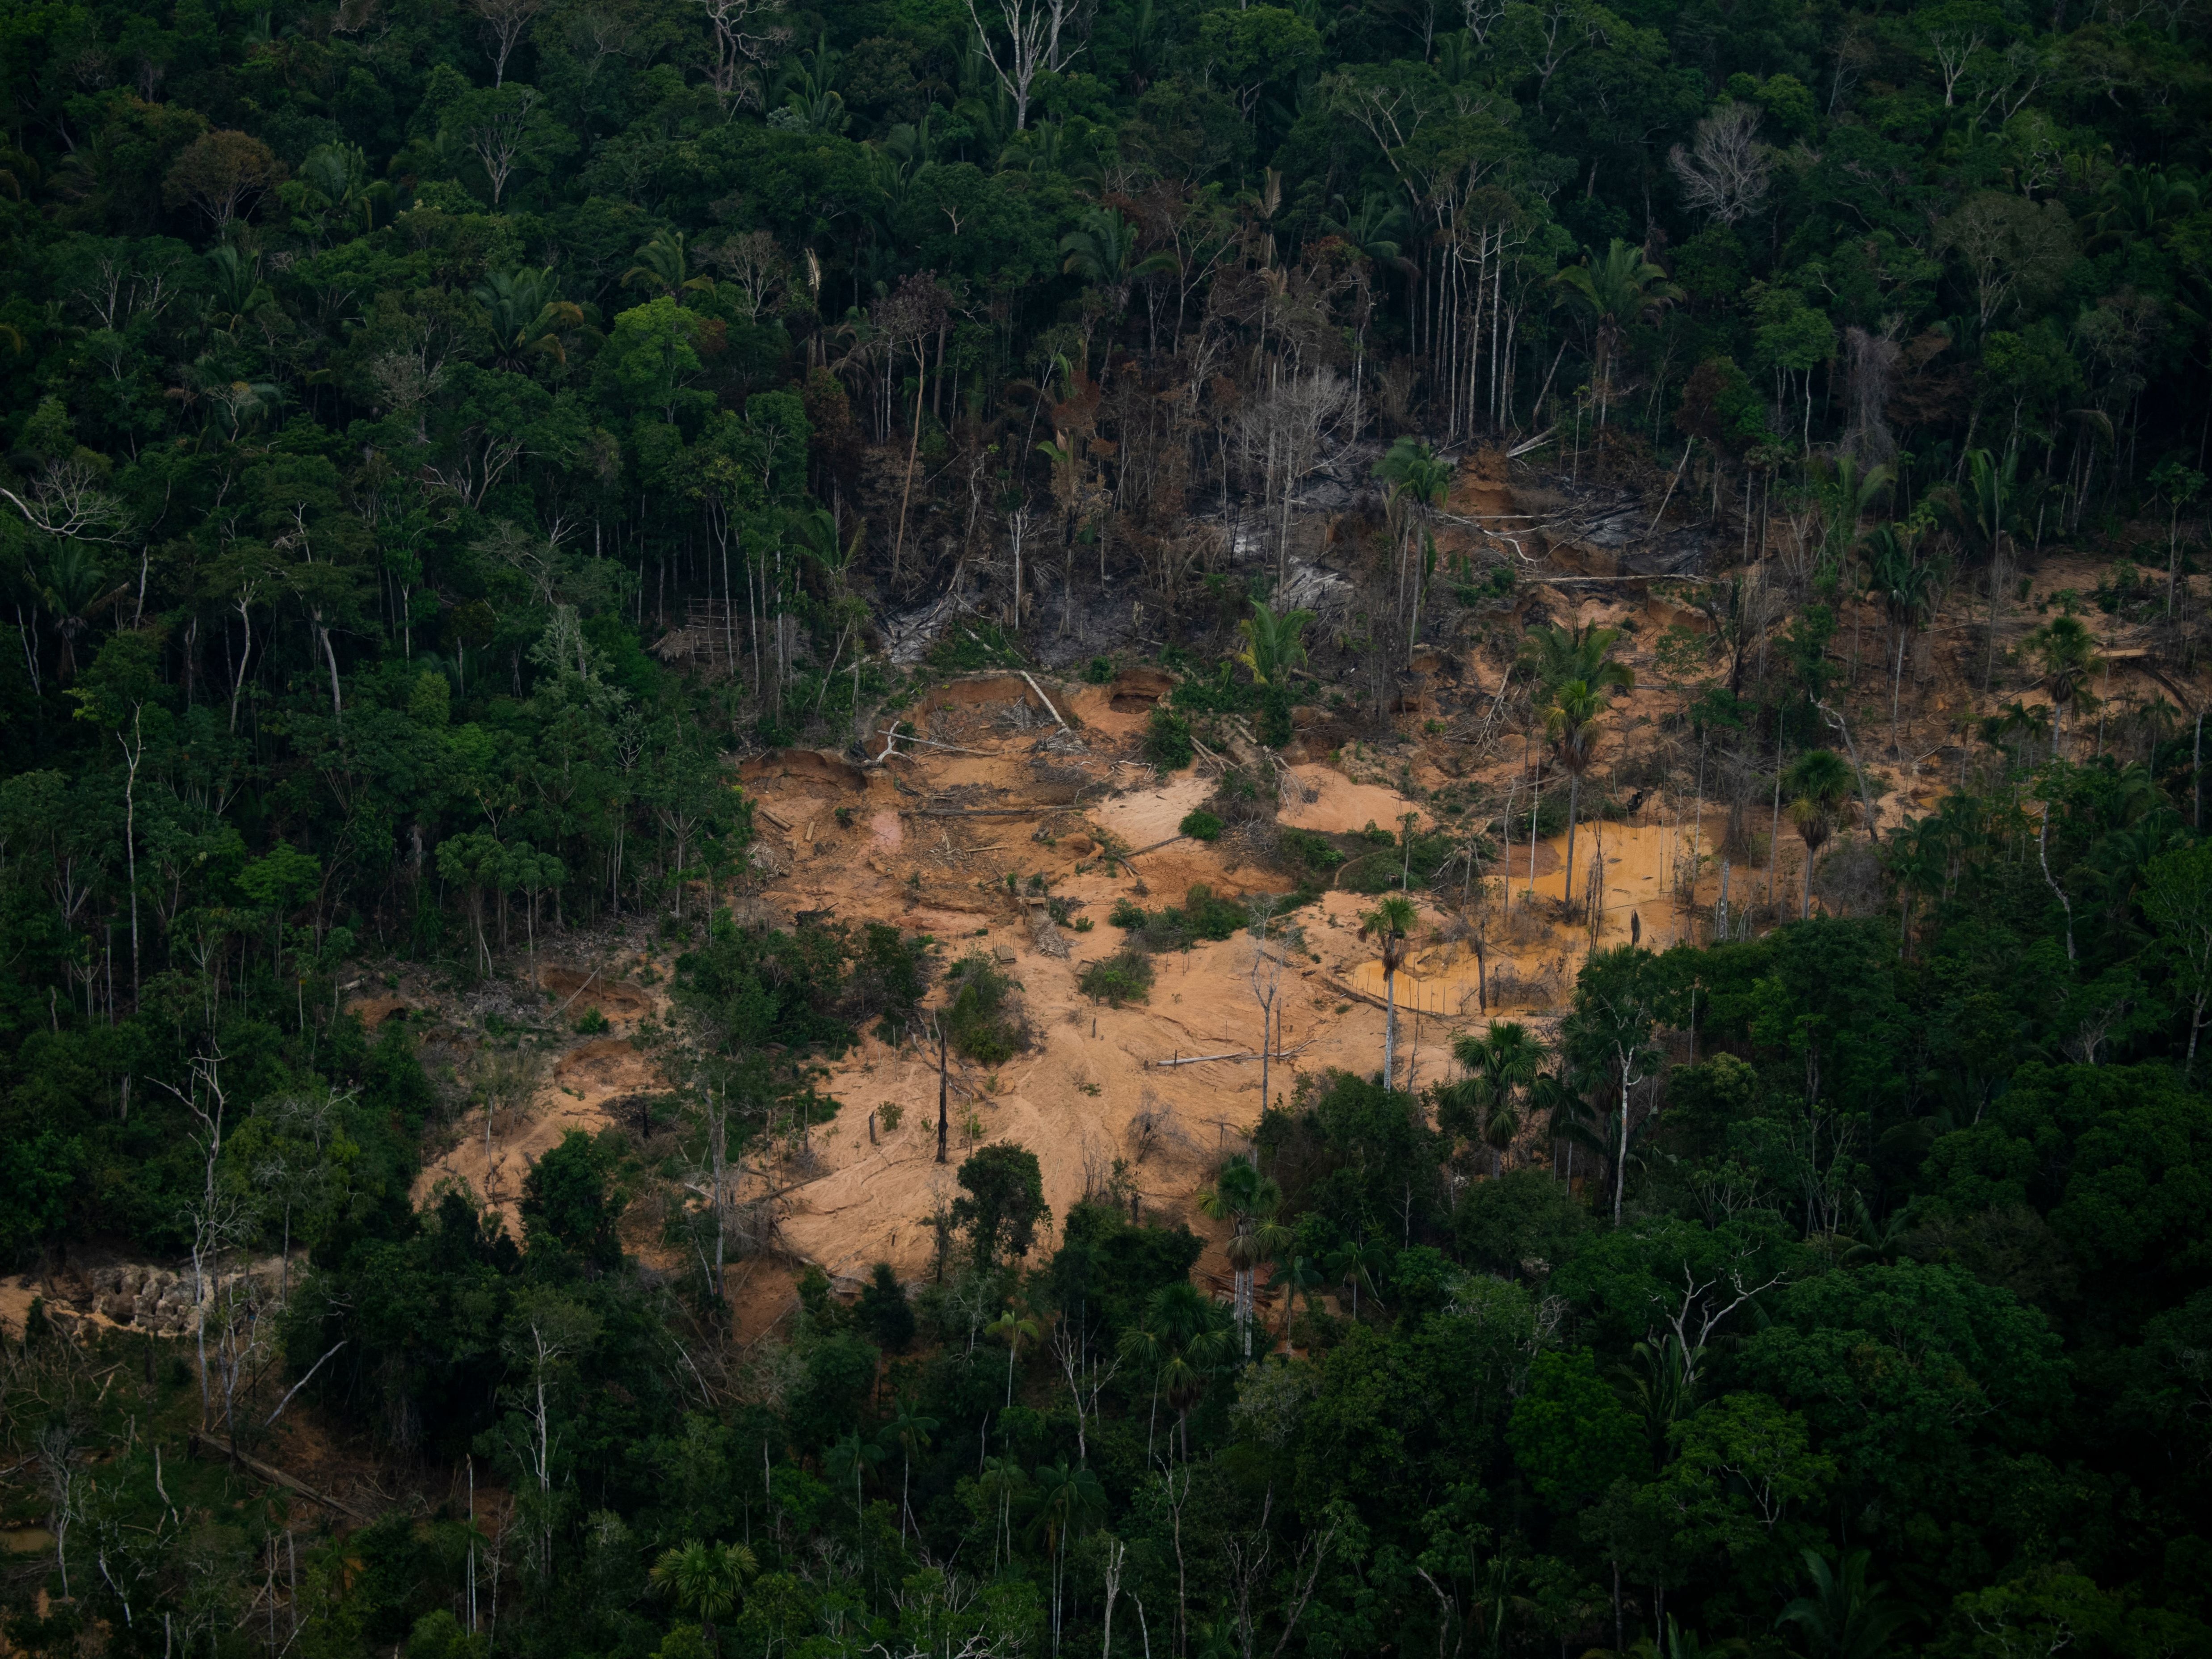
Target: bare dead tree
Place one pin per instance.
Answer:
(1870, 370)
(504, 21)
(1037, 38)
(1287, 433)
(1726, 171)
(496, 140)
(745, 32)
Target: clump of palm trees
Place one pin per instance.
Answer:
(1486, 1103)
(1574, 675)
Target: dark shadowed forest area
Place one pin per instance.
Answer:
(459, 462)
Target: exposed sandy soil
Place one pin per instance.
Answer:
(1338, 806)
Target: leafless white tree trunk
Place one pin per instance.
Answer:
(1037, 38)
(1725, 172)
(504, 21)
(745, 32)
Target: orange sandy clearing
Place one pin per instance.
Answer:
(1163, 1086)
(1339, 806)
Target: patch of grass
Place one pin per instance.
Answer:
(590, 1023)
(1200, 825)
(1126, 976)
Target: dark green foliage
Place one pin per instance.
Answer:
(890, 973)
(1308, 851)
(973, 645)
(1522, 1222)
(841, 1369)
(1126, 976)
(1408, 866)
(884, 1312)
(571, 1205)
(983, 1021)
(1200, 825)
(1003, 1202)
(1202, 916)
(1167, 738)
(1354, 1153)
(1223, 692)
(1571, 1436)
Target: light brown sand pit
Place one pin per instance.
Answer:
(374, 1011)
(1143, 816)
(1515, 861)
(1341, 806)
(1092, 707)
(886, 833)
(1451, 992)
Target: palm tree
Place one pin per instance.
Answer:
(1980, 511)
(665, 268)
(1413, 467)
(1068, 1502)
(527, 314)
(851, 1456)
(1661, 1388)
(1354, 1265)
(1246, 1199)
(1847, 493)
(1182, 1336)
(1390, 921)
(1574, 670)
(1377, 228)
(1274, 645)
(1101, 249)
(1570, 1116)
(1614, 290)
(1002, 1480)
(1554, 656)
(1418, 475)
(1017, 1326)
(74, 588)
(706, 1580)
(333, 186)
(1501, 1067)
(1300, 1278)
(2067, 651)
(1818, 784)
(1846, 1617)
(1571, 726)
(909, 1430)
(1906, 585)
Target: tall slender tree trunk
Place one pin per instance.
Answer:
(1574, 800)
(1390, 1027)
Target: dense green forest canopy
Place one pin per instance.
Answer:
(381, 382)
